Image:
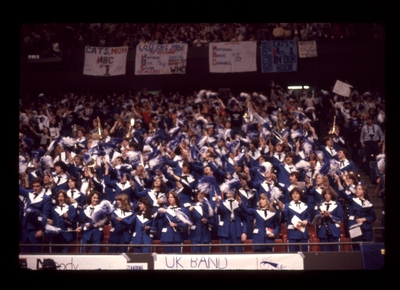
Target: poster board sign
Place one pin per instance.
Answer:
(342, 89)
(307, 49)
(105, 61)
(278, 56)
(231, 57)
(160, 59)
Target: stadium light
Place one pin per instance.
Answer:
(297, 87)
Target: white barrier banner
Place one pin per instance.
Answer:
(167, 262)
(105, 61)
(307, 48)
(76, 262)
(229, 262)
(229, 57)
(161, 59)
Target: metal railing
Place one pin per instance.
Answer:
(155, 246)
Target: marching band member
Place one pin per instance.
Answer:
(267, 224)
(330, 211)
(91, 233)
(36, 212)
(232, 226)
(297, 217)
(121, 221)
(202, 216)
(171, 225)
(144, 226)
(63, 216)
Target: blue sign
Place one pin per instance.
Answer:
(278, 56)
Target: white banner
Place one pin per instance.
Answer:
(78, 262)
(161, 59)
(307, 48)
(229, 262)
(342, 89)
(105, 61)
(229, 57)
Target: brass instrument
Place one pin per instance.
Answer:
(99, 127)
(93, 164)
(277, 136)
(132, 122)
(332, 131)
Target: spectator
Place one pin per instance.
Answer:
(278, 32)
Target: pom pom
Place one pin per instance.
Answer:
(201, 122)
(307, 146)
(211, 94)
(381, 163)
(319, 154)
(240, 159)
(125, 169)
(300, 117)
(67, 143)
(295, 135)
(262, 98)
(181, 216)
(207, 208)
(330, 168)
(52, 230)
(202, 93)
(276, 193)
(244, 96)
(134, 157)
(37, 154)
(156, 163)
(45, 163)
(206, 184)
(302, 164)
(233, 146)
(231, 186)
(201, 141)
(28, 142)
(87, 159)
(174, 131)
(23, 165)
(101, 213)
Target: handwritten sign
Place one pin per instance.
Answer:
(342, 89)
(307, 48)
(229, 262)
(229, 57)
(105, 61)
(161, 59)
(278, 56)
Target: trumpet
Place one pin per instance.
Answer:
(132, 122)
(99, 127)
(332, 131)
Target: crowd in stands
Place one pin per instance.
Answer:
(52, 37)
(228, 166)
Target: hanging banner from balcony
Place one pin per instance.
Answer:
(161, 59)
(230, 57)
(307, 48)
(105, 61)
(278, 56)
